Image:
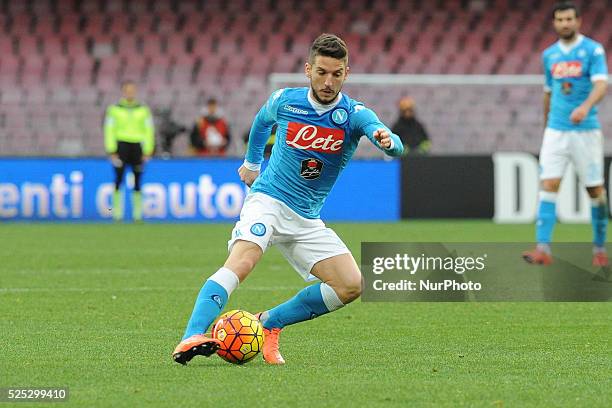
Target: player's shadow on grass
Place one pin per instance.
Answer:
(566, 281)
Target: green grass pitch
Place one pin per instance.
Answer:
(99, 309)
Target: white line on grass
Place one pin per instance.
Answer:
(138, 289)
(135, 269)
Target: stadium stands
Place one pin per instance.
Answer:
(62, 60)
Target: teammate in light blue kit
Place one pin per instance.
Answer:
(318, 131)
(576, 80)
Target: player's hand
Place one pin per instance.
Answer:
(383, 138)
(146, 158)
(579, 114)
(115, 160)
(248, 176)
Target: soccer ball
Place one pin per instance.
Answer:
(241, 336)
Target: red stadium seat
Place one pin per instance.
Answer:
(69, 23)
(175, 44)
(118, 24)
(29, 45)
(46, 25)
(21, 23)
(57, 70)
(94, 24)
(11, 97)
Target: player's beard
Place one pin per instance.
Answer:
(318, 99)
(568, 35)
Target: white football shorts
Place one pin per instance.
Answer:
(302, 241)
(584, 148)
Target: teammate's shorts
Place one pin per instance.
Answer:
(302, 241)
(584, 148)
(130, 153)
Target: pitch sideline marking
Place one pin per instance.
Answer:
(137, 289)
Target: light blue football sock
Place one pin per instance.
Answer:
(547, 217)
(210, 301)
(599, 220)
(307, 304)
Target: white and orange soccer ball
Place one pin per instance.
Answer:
(241, 336)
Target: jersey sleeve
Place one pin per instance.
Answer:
(548, 82)
(365, 122)
(261, 128)
(148, 144)
(110, 141)
(599, 68)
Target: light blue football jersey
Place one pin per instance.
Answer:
(570, 72)
(313, 144)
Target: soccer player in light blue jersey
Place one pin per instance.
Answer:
(318, 130)
(576, 81)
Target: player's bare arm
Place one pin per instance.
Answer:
(596, 95)
(546, 100)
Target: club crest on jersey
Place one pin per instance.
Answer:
(566, 69)
(258, 229)
(314, 138)
(566, 88)
(339, 116)
(311, 168)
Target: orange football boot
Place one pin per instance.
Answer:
(537, 257)
(270, 351)
(198, 344)
(600, 258)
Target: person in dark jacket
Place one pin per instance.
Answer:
(410, 130)
(168, 130)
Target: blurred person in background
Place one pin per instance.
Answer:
(410, 130)
(576, 80)
(210, 135)
(168, 130)
(129, 139)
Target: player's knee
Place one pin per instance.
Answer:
(243, 258)
(241, 267)
(596, 192)
(551, 185)
(350, 290)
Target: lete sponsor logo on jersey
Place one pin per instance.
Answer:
(567, 69)
(314, 138)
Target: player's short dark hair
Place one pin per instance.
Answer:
(127, 82)
(328, 45)
(565, 5)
